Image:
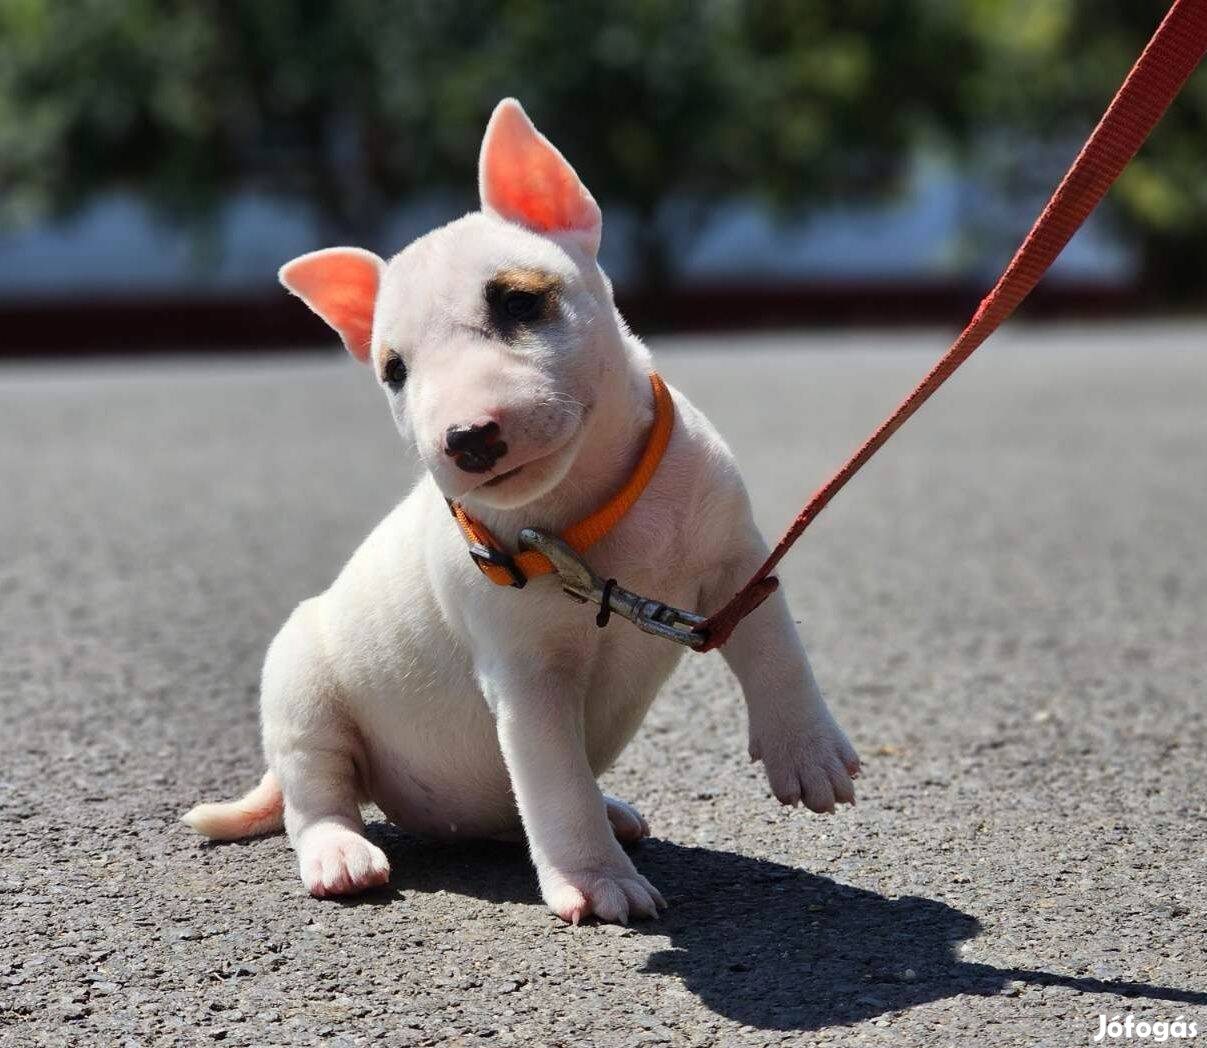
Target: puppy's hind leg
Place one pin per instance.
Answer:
(322, 818)
(628, 824)
(315, 751)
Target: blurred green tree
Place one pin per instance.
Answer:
(1046, 71)
(663, 105)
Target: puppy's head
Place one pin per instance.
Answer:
(494, 337)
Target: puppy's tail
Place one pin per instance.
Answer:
(261, 811)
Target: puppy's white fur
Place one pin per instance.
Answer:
(462, 708)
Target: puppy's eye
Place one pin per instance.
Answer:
(394, 373)
(521, 305)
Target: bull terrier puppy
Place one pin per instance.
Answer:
(467, 709)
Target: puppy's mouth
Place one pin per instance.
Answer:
(496, 481)
(550, 454)
(500, 479)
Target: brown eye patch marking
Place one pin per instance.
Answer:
(519, 297)
(534, 281)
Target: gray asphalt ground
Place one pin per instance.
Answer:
(1008, 611)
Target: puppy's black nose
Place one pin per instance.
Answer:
(476, 447)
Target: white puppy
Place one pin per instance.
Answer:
(464, 708)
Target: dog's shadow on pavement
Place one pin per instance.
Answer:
(767, 945)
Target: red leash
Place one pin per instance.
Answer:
(1154, 81)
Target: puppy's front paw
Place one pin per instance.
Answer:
(612, 891)
(810, 761)
(336, 861)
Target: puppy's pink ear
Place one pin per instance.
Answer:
(340, 285)
(524, 179)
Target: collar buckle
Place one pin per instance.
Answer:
(582, 584)
(485, 557)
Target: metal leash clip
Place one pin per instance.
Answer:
(580, 582)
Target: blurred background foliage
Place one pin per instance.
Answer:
(665, 106)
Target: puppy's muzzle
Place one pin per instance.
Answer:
(475, 447)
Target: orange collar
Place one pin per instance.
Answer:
(505, 569)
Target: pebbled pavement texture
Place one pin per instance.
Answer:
(1008, 611)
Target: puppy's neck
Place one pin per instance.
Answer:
(612, 441)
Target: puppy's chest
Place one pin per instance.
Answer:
(617, 661)
(651, 559)
(653, 553)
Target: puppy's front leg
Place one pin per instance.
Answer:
(581, 868)
(805, 753)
